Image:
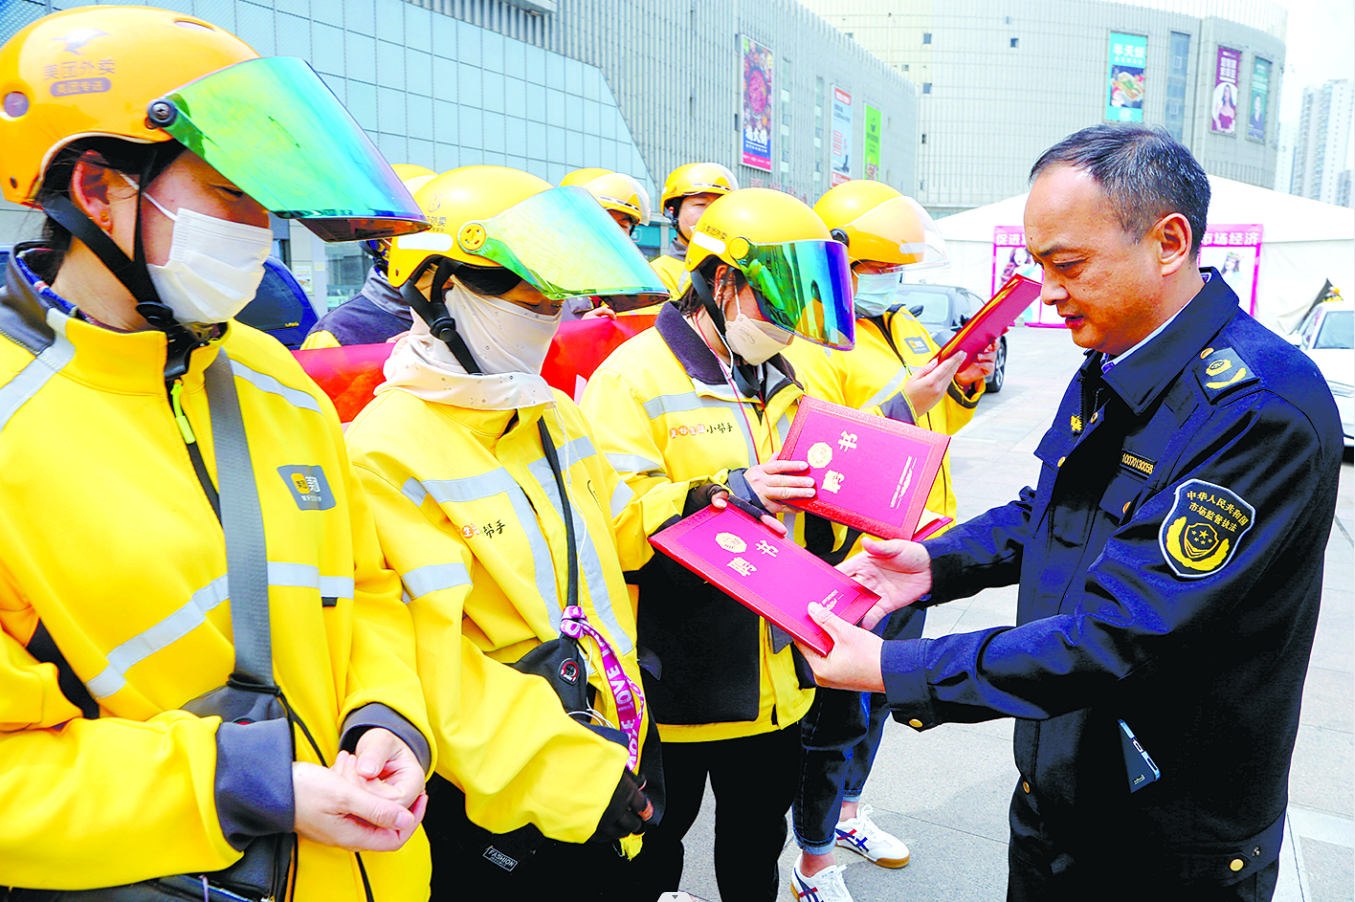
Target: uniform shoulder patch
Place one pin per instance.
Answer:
(1200, 534)
(917, 345)
(1221, 370)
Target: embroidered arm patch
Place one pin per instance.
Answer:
(1200, 534)
(1222, 370)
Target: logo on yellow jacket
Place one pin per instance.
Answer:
(309, 487)
(1200, 534)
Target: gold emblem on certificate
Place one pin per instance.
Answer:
(820, 455)
(730, 542)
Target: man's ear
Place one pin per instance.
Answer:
(1173, 238)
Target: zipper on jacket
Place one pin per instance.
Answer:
(190, 440)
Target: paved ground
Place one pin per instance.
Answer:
(945, 791)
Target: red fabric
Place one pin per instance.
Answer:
(350, 374)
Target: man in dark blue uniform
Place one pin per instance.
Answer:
(1169, 559)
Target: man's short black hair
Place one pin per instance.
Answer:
(1146, 173)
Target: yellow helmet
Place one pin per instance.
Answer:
(799, 273)
(879, 224)
(451, 200)
(149, 76)
(93, 71)
(697, 178)
(582, 176)
(557, 240)
(621, 193)
(407, 171)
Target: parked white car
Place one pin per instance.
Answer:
(1327, 335)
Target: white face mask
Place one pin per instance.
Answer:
(502, 337)
(214, 266)
(874, 293)
(754, 340)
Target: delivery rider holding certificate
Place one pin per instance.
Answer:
(891, 371)
(704, 401)
(495, 507)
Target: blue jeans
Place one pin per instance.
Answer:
(839, 738)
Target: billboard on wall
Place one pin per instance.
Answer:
(757, 104)
(1260, 98)
(842, 136)
(1128, 59)
(1010, 258)
(1223, 110)
(872, 142)
(1235, 251)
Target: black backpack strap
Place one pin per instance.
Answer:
(42, 647)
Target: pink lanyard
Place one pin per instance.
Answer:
(625, 694)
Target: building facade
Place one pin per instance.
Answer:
(999, 82)
(639, 86)
(1321, 169)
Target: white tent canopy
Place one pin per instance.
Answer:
(1304, 244)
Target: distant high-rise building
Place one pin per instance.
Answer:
(1322, 144)
(998, 83)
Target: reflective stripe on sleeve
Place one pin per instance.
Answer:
(433, 577)
(620, 498)
(634, 463)
(266, 383)
(890, 388)
(29, 381)
(194, 614)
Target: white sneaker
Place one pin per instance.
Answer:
(825, 886)
(865, 838)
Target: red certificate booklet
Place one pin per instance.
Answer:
(765, 572)
(870, 472)
(993, 318)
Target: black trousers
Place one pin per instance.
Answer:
(754, 780)
(1041, 868)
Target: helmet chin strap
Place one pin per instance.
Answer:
(132, 273)
(435, 314)
(746, 376)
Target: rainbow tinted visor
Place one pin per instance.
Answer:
(565, 245)
(804, 287)
(274, 129)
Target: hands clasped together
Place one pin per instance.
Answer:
(369, 801)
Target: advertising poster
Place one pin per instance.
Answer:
(1128, 59)
(1010, 258)
(872, 167)
(1223, 111)
(842, 136)
(1235, 251)
(757, 104)
(1260, 98)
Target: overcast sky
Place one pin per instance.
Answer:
(1318, 47)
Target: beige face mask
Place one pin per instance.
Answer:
(754, 340)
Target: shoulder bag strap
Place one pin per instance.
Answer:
(242, 522)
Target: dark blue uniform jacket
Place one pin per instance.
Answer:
(1170, 567)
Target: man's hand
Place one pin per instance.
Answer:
(386, 766)
(897, 570)
(854, 660)
(772, 482)
(927, 386)
(979, 370)
(628, 811)
(600, 312)
(333, 810)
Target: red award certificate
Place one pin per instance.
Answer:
(870, 472)
(993, 318)
(765, 572)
